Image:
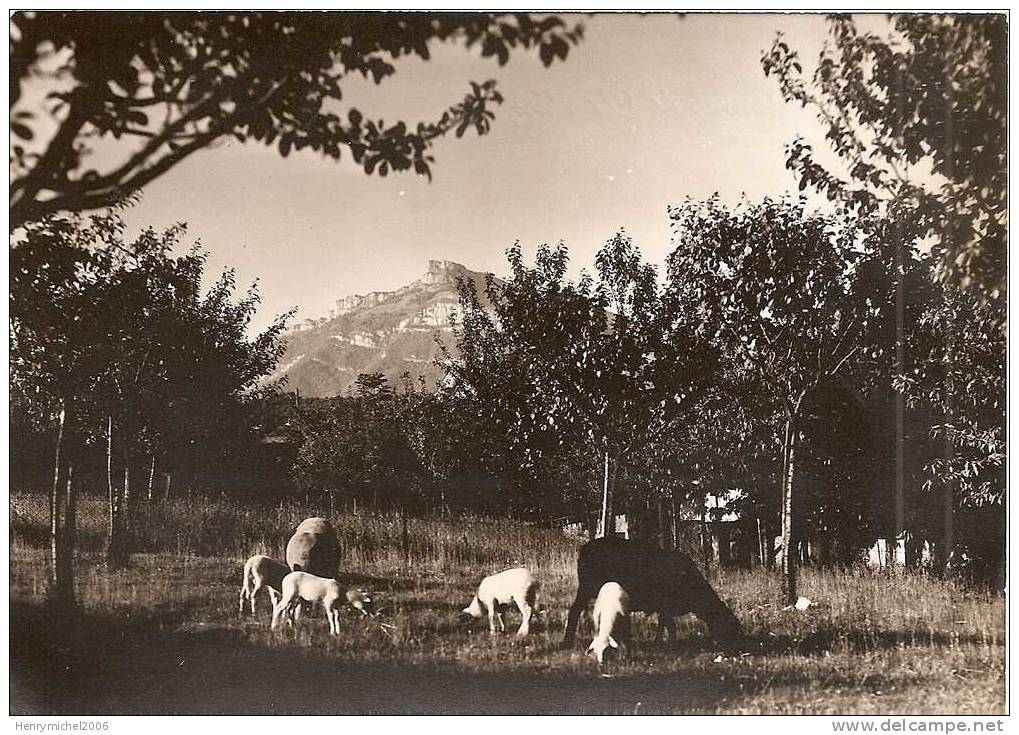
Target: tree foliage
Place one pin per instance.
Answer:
(169, 84)
(147, 365)
(920, 117)
(963, 378)
(780, 289)
(365, 444)
(599, 368)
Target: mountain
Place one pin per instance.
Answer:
(392, 332)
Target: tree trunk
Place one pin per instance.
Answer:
(114, 547)
(949, 526)
(126, 527)
(789, 537)
(675, 520)
(109, 475)
(762, 544)
(55, 510)
(68, 539)
(899, 517)
(166, 490)
(949, 387)
(152, 474)
(606, 500)
(705, 539)
(125, 511)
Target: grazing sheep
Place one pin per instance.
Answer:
(314, 548)
(657, 580)
(301, 587)
(500, 590)
(261, 572)
(611, 615)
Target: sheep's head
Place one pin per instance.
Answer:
(540, 618)
(725, 628)
(473, 610)
(360, 599)
(599, 645)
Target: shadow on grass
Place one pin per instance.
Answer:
(145, 664)
(101, 666)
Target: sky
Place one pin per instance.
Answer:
(646, 111)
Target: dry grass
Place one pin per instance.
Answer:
(164, 636)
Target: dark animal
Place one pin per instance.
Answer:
(314, 548)
(657, 580)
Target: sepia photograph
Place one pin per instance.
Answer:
(417, 362)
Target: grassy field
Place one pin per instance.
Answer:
(165, 637)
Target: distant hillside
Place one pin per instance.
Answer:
(392, 332)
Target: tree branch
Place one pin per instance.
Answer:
(24, 190)
(840, 363)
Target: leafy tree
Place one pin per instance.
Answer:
(170, 84)
(930, 98)
(119, 336)
(490, 385)
(375, 440)
(843, 468)
(733, 444)
(55, 280)
(779, 289)
(919, 121)
(960, 386)
(219, 370)
(604, 366)
(969, 389)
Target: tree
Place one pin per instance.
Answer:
(960, 384)
(169, 84)
(603, 367)
(490, 387)
(779, 289)
(930, 97)
(919, 119)
(56, 281)
(119, 340)
(376, 442)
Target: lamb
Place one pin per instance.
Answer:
(611, 615)
(302, 586)
(500, 590)
(261, 572)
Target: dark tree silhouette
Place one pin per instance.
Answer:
(170, 84)
(780, 289)
(605, 366)
(932, 95)
(116, 344)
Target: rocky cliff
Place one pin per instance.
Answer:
(392, 332)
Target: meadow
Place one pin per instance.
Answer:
(164, 636)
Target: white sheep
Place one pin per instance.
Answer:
(261, 572)
(498, 590)
(298, 586)
(611, 615)
(314, 548)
